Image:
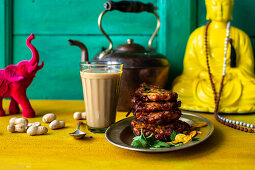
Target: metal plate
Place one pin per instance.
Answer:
(120, 134)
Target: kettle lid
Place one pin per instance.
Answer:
(130, 47)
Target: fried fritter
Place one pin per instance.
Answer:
(160, 132)
(148, 93)
(155, 106)
(158, 117)
(156, 111)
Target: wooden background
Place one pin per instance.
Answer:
(55, 21)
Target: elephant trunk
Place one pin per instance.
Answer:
(35, 54)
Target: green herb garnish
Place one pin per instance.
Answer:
(146, 91)
(139, 141)
(145, 142)
(172, 136)
(195, 139)
(176, 144)
(159, 144)
(150, 138)
(147, 88)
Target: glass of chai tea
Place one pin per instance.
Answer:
(101, 85)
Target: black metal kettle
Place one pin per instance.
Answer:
(140, 65)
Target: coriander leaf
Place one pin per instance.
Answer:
(139, 142)
(159, 144)
(147, 88)
(142, 135)
(136, 138)
(177, 144)
(150, 138)
(172, 136)
(195, 139)
(146, 91)
(162, 90)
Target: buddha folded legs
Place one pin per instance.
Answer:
(194, 86)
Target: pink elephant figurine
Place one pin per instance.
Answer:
(14, 81)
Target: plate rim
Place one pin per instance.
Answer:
(210, 124)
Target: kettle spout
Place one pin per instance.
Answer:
(84, 50)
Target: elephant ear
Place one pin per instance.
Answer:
(10, 74)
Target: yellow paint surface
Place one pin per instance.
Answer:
(225, 149)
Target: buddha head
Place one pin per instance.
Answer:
(219, 10)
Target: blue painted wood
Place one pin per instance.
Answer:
(8, 32)
(56, 21)
(2, 55)
(179, 24)
(58, 17)
(60, 79)
(162, 31)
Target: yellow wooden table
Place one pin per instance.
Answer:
(225, 149)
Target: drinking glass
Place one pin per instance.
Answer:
(101, 85)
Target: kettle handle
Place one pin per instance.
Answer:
(127, 6)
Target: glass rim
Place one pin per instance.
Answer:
(100, 63)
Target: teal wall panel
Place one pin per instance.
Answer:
(180, 22)
(2, 58)
(6, 29)
(56, 21)
(60, 79)
(77, 17)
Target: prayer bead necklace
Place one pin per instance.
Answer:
(231, 123)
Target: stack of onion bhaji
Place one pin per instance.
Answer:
(157, 112)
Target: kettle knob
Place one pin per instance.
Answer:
(130, 41)
(130, 47)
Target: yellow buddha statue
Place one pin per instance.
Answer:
(194, 86)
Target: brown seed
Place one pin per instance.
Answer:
(234, 126)
(245, 129)
(250, 130)
(241, 128)
(225, 123)
(237, 127)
